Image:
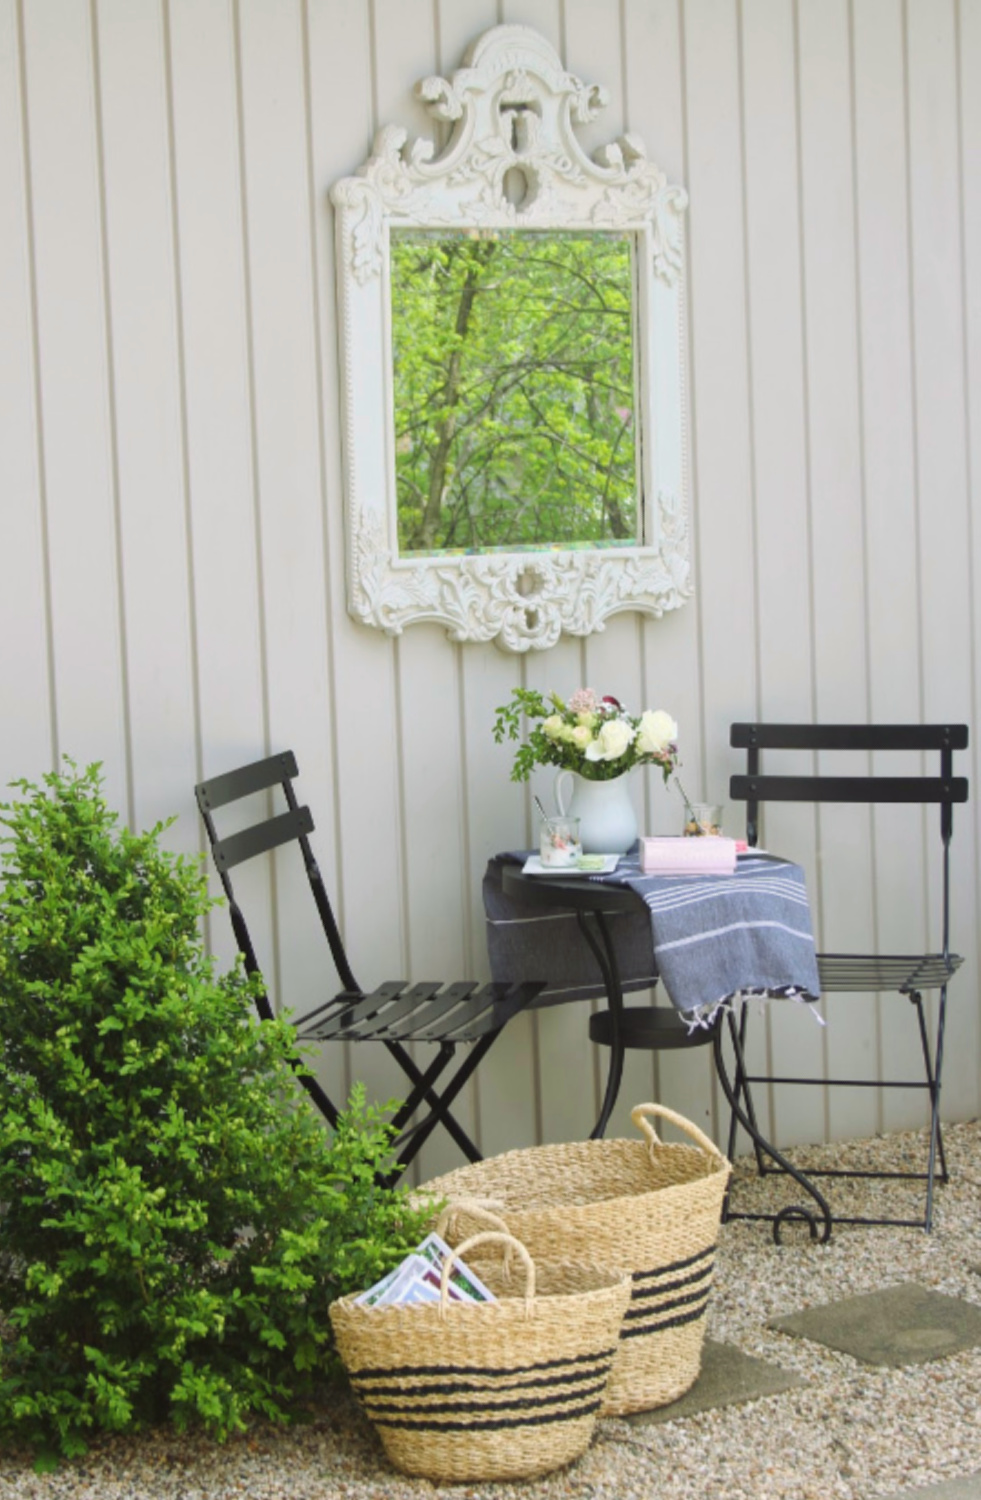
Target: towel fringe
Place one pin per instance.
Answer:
(704, 1016)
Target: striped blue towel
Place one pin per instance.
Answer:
(711, 939)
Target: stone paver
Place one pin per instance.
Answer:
(968, 1488)
(727, 1376)
(903, 1325)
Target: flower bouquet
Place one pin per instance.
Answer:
(595, 737)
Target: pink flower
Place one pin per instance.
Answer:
(583, 701)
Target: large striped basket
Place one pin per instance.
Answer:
(645, 1206)
(501, 1390)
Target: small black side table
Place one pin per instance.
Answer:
(658, 1028)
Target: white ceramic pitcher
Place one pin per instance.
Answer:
(607, 821)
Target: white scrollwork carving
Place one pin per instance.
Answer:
(489, 598)
(511, 105)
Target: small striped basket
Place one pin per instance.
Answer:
(644, 1206)
(500, 1390)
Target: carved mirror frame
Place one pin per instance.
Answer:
(512, 106)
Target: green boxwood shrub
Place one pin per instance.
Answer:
(175, 1217)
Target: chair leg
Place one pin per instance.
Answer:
(440, 1107)
(932, 1074)
(437, 1103)
(320, 1100)
(936, 1142)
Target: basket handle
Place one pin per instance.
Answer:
(478, 1208)
(639, 1115)
(486, 1237)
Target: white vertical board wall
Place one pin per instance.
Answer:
(173, 597)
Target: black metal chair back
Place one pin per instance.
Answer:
(394, 1013)
(868, 973)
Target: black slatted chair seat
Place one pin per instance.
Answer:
(354, 1012)
(908, 974)
(461, 1014)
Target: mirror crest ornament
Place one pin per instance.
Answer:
(513, 167)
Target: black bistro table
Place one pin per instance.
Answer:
(593, 902)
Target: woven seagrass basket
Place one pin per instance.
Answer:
(500, 1390)
(648, 1207)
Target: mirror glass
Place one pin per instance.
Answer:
(514, 383)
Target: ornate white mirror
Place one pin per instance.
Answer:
(513, 357)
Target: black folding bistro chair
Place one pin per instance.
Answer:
(908, 974)
(462, 1014)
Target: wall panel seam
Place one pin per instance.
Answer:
(748, 319)
(692, 455)
(113, 416)
(319, 358)
(911, 316)
(256, 483)
(808, 452)
(37, 391)
(180, 319)
(968, 456)
(915, 419)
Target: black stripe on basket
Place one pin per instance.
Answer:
(400, 1372)
(445, 1388)
(655, 1273)
(697, 1278)
(642, 1302)
(647, 1294)
(658, 1325)
(571, 1400)
(654, 1309)
(490, 1425)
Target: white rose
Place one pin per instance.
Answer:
(553, 727)
(613, 740)
(656, 732)
(581, 736)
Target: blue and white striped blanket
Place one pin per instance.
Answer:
(710, 939)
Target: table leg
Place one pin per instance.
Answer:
(605, 955)
(742, 1087)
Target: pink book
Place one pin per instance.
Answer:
(711, 854)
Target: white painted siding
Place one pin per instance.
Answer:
(171, 576)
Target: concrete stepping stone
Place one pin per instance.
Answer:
(968, 1488)
(727, 1376)
(903, 1325)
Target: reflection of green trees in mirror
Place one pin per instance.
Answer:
(514, 389)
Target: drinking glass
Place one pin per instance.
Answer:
(559, 843)
(703, 817)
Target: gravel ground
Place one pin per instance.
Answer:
(852, 1432)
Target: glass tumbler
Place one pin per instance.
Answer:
(703, 817)
(559, 843)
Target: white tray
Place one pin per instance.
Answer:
(533, 866)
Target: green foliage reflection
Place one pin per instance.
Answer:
(514, 389)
